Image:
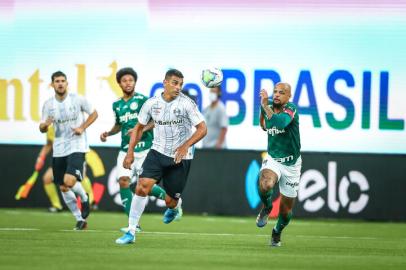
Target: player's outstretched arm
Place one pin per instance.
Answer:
(136, 135)
(113, 131)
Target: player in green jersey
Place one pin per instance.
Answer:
(283, 162)
(126, 111)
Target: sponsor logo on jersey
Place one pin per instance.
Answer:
(156, 109)
(133, 106)
(274, 131)
(176, 112)
(293, 185)
(284, 159)
(61, 121)
(168, 123)
(128, 116)
(140, 144)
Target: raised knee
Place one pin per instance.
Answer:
(141, 189)
(124, 182)
(267, 181)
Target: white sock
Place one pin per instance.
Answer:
(179, 203)
(137, 208)
(79, 190)
(70, 200)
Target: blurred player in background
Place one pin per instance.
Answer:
(217, 121)
(169, 159)
(283, 161)
(49, 185)
(66, 112)
(48, 178)
(126, 110)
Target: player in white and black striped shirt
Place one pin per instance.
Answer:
(66, 112)
(174, 115)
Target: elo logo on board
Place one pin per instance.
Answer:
(312, 182)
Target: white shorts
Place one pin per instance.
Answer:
(288, 176)
(136, 167)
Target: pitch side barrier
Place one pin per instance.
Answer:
(333, 185)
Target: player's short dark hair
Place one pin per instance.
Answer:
(57, 74)
(173, 72)
(126, 71)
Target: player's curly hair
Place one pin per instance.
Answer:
(126, 71)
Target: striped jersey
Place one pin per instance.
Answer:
(283, 134)
(173, 122)
(126, 114)
(67, 114)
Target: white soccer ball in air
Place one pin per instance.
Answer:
(212, 77)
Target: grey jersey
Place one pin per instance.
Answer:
(216, 119)
(67, 114)
(173, 122)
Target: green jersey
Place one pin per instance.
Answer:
(126, 113)
(283, 134)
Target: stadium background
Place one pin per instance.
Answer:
(344, 59)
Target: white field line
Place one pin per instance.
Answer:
(19, 229)
(229, 234)
(202, 234)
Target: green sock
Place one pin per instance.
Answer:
(282, 222)
(126, 198)
(266, 198)
(158, 192)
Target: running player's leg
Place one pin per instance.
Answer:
(139, 158)
(59, 165)
(269, 176)
(87, 185)
(174, 181)
(151, 170)
(156, 191)
(284, 217)
(138, 203)
(124, 178)
(288, 186)
(73, 177)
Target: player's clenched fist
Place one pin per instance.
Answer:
(129, 159)
(103, 136)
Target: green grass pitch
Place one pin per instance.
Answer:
(34, 239)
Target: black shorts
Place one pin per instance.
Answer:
(72, 164)
(160, 167)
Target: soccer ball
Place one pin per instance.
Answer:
(212, 77)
